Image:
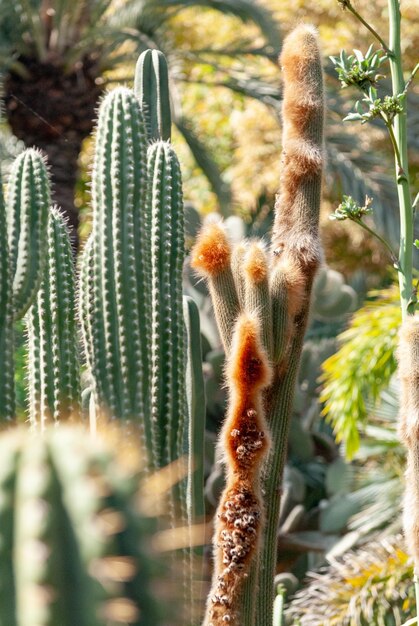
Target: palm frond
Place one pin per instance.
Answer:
(362, 367)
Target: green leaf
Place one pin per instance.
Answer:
(362, 367)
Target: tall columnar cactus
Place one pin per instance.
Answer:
(72, 548)
(53, 365)
(275, 288)
(28, 201)
(131, 280)
(116, 266)
(22, 239)
(7, 403)
(151, 86)
(168, 347)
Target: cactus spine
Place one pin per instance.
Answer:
(151, 86)
(53, 367)
(275, 289)
(71, 549)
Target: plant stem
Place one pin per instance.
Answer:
(398, 132)
(411, 77)
(350, 8)
(377, 236)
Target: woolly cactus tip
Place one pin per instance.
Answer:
(256, 262)
(212, 251)
(248, 367)
(299, 48)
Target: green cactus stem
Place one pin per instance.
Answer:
(195, 394)
(168, 347)
(72, 548)
(151, 86)
(7, 404)
(27, 205)
(118, 269)
(53, 365)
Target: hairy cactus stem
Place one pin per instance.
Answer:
(408, 357)
(245, 443)
(211, 258)
(297, 254)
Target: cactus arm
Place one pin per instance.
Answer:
(211, 257)
(246, 443)
(151, 86)
(27, 206)
(257, 295)
(195, 393)
(168, 400)
(53, 365)
(7, 400)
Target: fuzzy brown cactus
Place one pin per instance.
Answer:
(408, 357)
(261, 299)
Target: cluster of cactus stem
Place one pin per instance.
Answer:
(261, 300)
(139, 335)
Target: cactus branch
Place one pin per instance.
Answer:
(245, 443)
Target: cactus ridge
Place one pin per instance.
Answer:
(53, 365)
(27, 206)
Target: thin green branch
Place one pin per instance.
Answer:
(383, 241)
(411, 77)
(398, 134)
(347, 4)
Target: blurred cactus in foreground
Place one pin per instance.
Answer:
(73, 549)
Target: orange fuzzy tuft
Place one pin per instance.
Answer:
(212, 251)
(248, 368)
(256, 263)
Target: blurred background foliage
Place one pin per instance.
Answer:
(227, 98)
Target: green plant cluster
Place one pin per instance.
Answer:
(142, 352)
